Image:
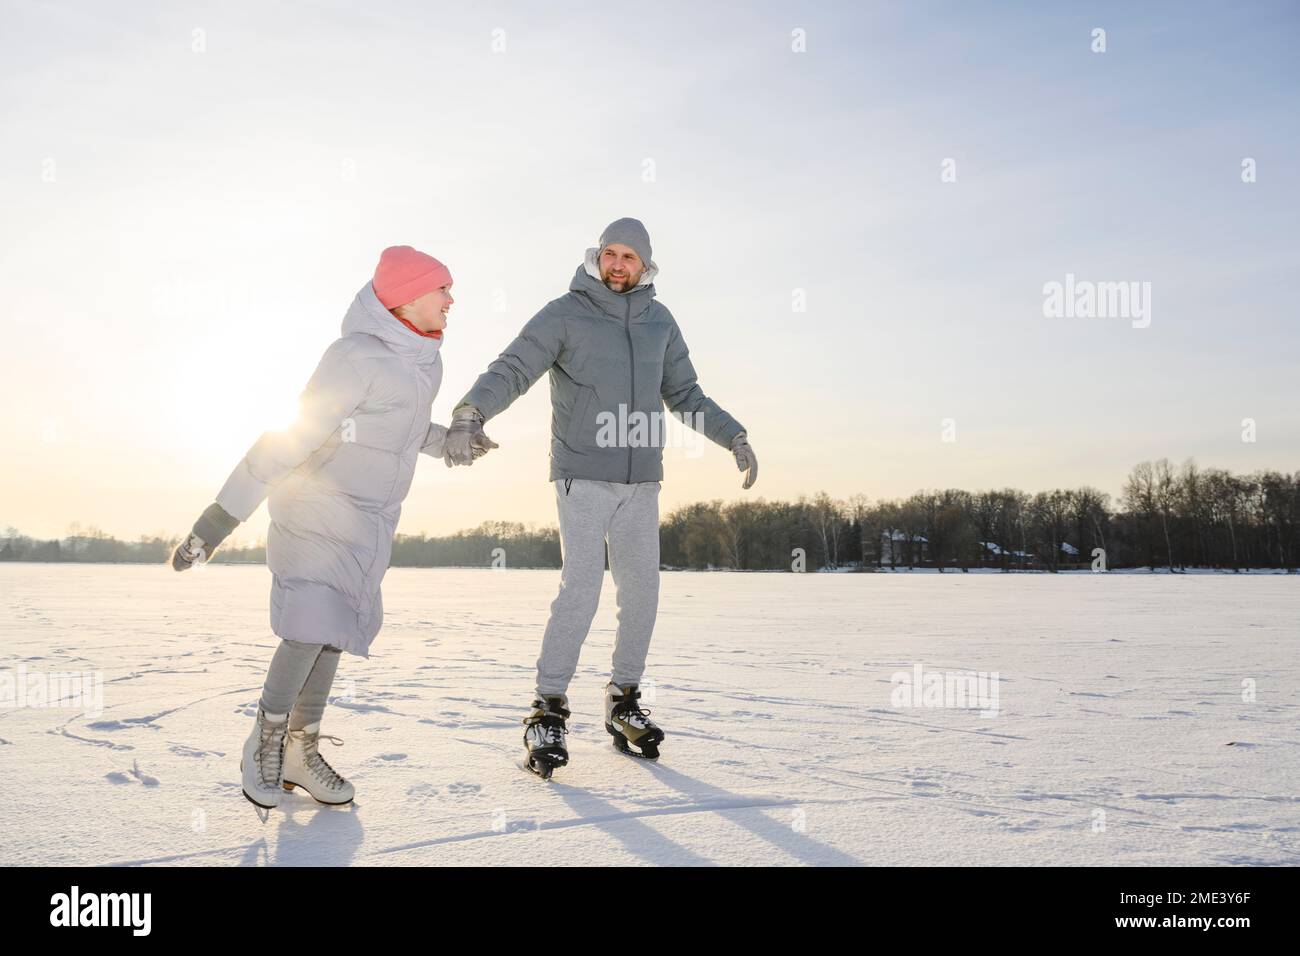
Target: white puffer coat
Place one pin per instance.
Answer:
(337, 477)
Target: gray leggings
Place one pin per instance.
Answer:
(299, 681)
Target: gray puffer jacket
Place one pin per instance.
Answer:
(337, 477)
(609, 355)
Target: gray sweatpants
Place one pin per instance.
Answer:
(299, 680)
(591, 514)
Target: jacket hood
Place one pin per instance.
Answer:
(587, 281)
(367, 314)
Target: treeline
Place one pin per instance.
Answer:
(94, 546)
(506, 543)
(521, 547)
(1167, 517)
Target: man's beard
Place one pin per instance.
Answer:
(629, 282)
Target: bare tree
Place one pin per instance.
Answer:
(737, 521)
(986, 512)
(859, 509)
(1051, 517)
(1140, 499)
(1090, 514)
(1167, 494)
(827, 516)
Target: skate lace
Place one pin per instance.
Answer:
(553, 732)
(629, 708)
(549, 725)
(550, 729)
(270, 743)
(316, 762)
(637, 715)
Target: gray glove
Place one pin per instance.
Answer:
(212, 528)
(746, 460)
(465, 439)
(479, 451)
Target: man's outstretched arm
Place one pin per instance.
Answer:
(534, 350)
(682, 394)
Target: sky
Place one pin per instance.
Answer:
(855, 209)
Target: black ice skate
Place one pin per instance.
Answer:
(544, 735)
(630, 726)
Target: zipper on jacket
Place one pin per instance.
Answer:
(631, 361)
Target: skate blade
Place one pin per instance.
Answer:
(625, 748)
(648, 752)
(261, 809)
(539, 769)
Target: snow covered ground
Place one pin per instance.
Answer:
(1124, 732)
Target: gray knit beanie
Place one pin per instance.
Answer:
(628, 232)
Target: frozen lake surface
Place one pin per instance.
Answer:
(1141, 719)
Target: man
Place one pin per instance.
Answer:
(613, 353)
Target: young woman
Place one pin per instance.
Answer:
(336, 479)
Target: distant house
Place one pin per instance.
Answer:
(894, 547)
(995, 552)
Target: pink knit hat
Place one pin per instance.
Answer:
(403, 274)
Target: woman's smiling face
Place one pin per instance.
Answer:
(428, 313)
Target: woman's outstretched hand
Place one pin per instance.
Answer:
(466, 439)
(212, 528)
